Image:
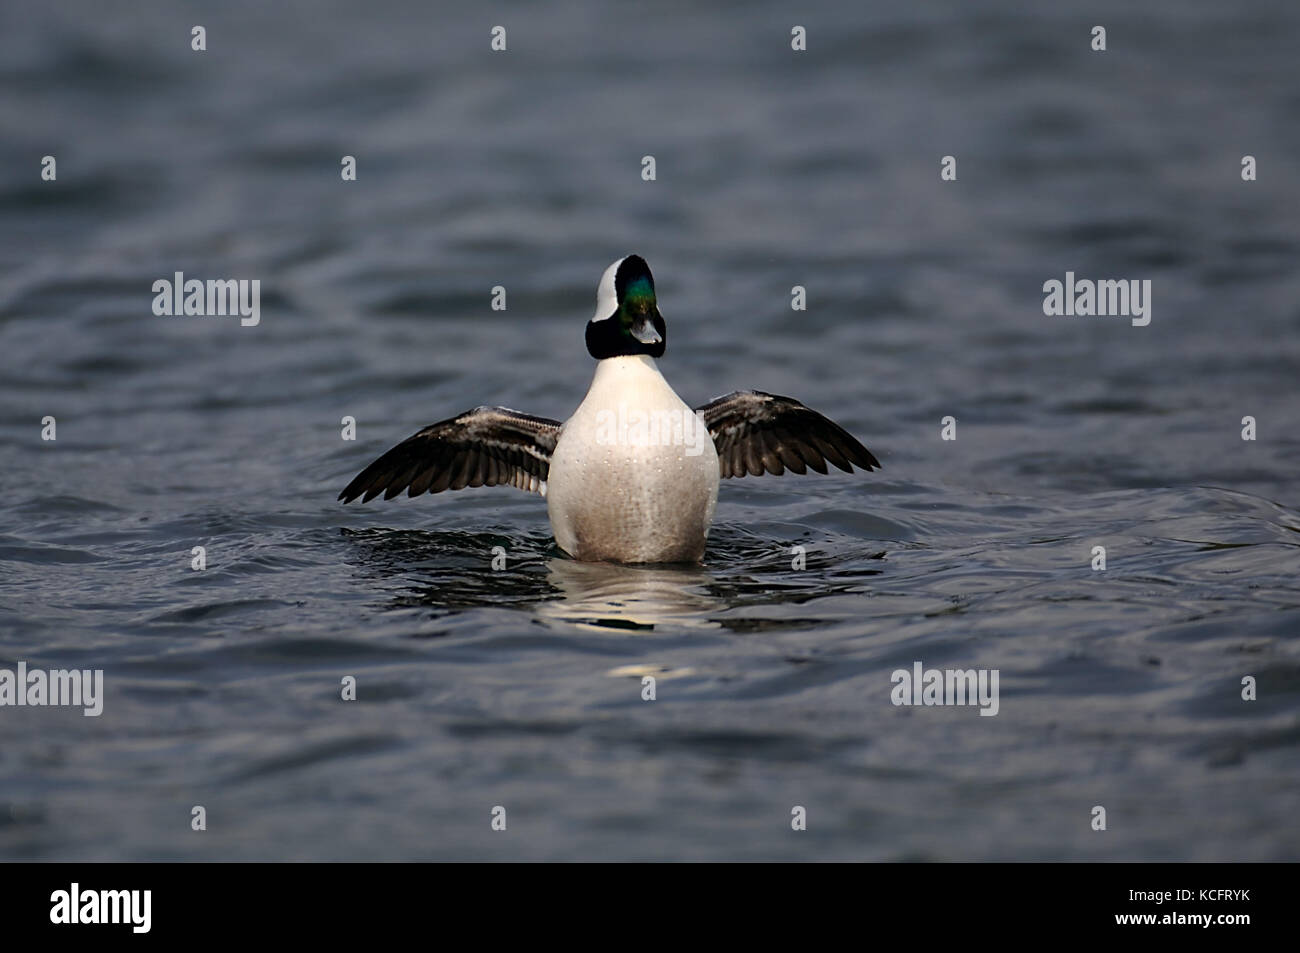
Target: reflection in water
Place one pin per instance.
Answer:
(450, 572)
(608, 596)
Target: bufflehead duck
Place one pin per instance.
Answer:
(632, 476)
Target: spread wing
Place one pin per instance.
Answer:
(757, 433)
(486, 446)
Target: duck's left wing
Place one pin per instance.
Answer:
(486, 446)
(757, 433)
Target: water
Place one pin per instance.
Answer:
(522, 688)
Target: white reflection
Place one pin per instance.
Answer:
(608, 597)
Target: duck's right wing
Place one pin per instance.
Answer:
(486, 446)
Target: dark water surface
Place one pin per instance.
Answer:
(522, 687)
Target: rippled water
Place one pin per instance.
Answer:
(522, 687)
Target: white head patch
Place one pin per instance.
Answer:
(606, 297)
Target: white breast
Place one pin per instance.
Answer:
(634, 475)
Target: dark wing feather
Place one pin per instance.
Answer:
(486, 446)
(757, 433)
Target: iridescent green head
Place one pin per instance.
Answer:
(627, 317)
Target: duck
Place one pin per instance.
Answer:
(632, 476)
